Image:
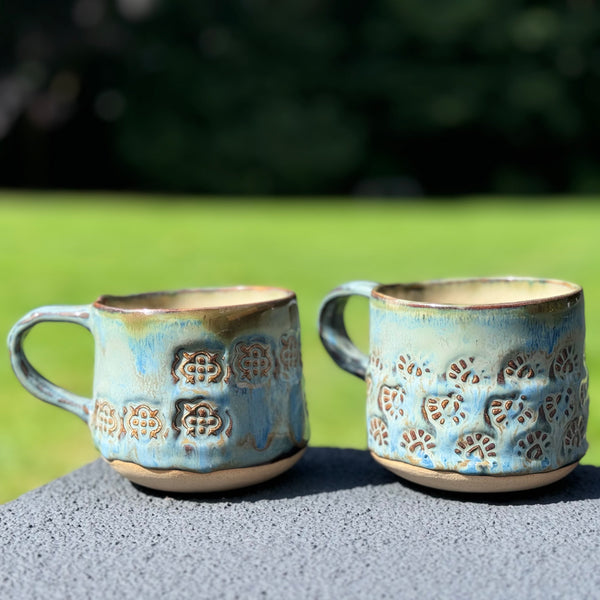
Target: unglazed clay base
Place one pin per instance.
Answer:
(481, 484)
(175, 480)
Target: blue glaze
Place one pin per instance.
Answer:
(191, 389)
(496, 390)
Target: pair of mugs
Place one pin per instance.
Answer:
(475, 385)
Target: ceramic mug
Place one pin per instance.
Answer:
(476, 385)
(194, 390)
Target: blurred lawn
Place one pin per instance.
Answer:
(69, 249)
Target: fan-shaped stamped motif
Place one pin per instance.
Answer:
(375, 363)
(378, 431)
(445, 410)
(417, 441)
(506, 411)
(462, 371)
(519, 368)
(574, 436)
(390, 400)
(534, 445)
(409, 367)
(583, 394)
(559, 406)
(566, 362)
(476, 445)
(569, 400)
(551, 407)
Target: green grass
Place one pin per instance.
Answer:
(69, 249)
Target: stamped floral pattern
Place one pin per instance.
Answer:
(519, 367)
(378, 431)
(417, 441)
(574, 435)
(534, 445)
(462, 371)
(105, 418)
(143, 422)
(252, 362)
(476, 446)
(290, 360)
(531, 408)
(391, 400)
(566, 363)
(410, 367)
(447, 410)
(200, 418)
(197, 367)
(552, 406)
(504, 412)
(583, 394)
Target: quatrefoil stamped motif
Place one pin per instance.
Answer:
(290, 352)
(144, 423)
(252, 362)
(200, 418)
(105, 418)
(197, 367)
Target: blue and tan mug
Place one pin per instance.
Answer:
(194, 391)
(475, 385)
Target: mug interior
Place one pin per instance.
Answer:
(479, 292)
(198, 299)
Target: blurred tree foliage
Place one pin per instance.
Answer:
(301, 96)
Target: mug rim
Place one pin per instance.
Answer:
(575, 292)
(100, 303)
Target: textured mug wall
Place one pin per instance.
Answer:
(187, 383)
(470, 378)
(225, 405)
(526, 412)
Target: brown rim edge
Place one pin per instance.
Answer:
(575, 293)
(289, 295)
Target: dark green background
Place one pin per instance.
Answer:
(376, 97)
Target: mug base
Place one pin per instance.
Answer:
(180, 481)
(451, 481)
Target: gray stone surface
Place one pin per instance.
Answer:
(336, 526)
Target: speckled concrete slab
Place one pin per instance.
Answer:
(335, 526)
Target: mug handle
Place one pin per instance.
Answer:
(30, 379)
(333, 331)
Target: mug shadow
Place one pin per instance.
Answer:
(320, 470)
(583, 483)
(324, 470)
